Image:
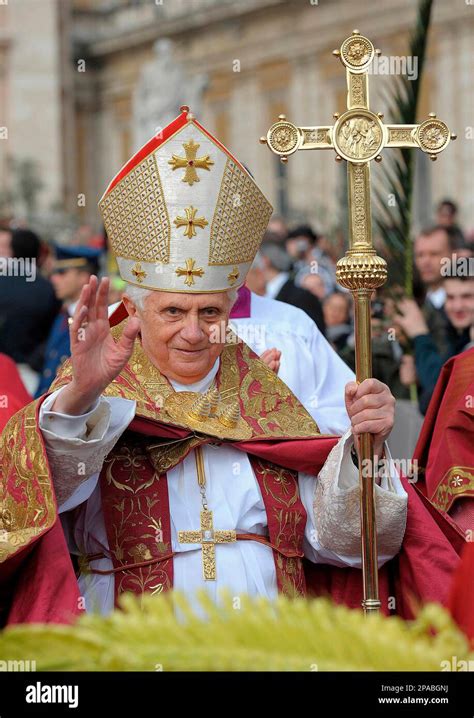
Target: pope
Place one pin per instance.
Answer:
(174, 457)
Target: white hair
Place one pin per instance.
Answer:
(139, 294)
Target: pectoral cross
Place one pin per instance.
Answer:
(359, 136)
(208, 538)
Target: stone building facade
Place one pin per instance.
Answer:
(109, 65)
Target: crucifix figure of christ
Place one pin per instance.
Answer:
(358, 136)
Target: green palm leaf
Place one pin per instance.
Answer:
(154, 633)
(394, 223)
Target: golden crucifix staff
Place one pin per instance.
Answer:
(358, 136)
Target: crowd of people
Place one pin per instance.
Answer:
(412, 336)
(35, 308)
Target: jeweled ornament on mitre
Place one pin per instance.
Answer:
(183, 215)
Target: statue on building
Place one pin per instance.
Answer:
(162, 88)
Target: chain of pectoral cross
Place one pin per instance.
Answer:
(207, 536)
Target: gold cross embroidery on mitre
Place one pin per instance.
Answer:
(233, 276)
(191, 162)
(138, 272)
(190, 272)
(206, 536)
(190, 222)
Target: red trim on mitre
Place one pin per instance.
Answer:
(214, 139)
(147, 148)
(155, 142)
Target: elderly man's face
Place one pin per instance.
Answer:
(178, 331)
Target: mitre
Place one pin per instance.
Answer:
(183, 214)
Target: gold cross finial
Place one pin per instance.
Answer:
(191, 163)
(359, 136)
(190, 272)
(208, 538)
(190, 222)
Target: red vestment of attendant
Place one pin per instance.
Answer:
(445, 448)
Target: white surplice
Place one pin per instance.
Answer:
(309, 366)
(77, 446)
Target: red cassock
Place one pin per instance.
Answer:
(461, 598)
(445, 455)
(445, 448)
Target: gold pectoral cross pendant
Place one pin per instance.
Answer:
(208, 538)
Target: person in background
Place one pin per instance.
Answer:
(279, 285)
(5, 242)
(314, 283)
(391, 365)
(337, 316)
(28, 305)
(256, 276)
(445, 449)
(433, 248)
(386, 350)
(278, 227)
(459, 307)
(71, 271)
(308, 257)
(446, 216)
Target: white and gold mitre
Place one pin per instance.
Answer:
(183, 215)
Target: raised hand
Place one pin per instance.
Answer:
(410, 318)
(96, 358)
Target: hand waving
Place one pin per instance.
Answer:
(96, 358)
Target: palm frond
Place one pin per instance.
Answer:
(163, 633)
(394, 223)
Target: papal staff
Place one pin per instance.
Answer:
(358, 136)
